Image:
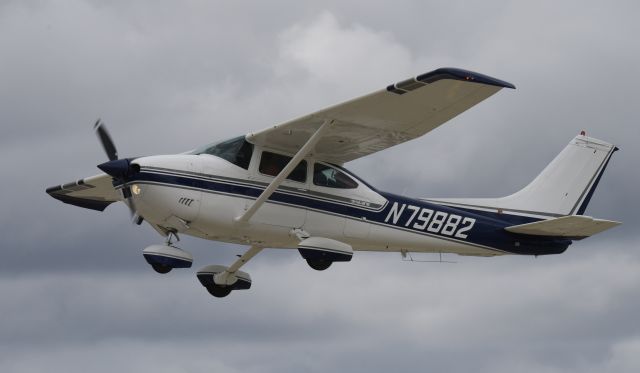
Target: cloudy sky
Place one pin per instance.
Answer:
(76, 294)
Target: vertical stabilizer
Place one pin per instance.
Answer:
(564, 187)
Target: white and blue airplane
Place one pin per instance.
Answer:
(286, 187)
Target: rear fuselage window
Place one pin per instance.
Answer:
(330, 177)
(271, 164)
(237, 151)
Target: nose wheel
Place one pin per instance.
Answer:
(164, 258)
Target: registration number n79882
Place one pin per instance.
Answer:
(428, 220)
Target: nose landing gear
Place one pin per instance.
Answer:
(164, 258)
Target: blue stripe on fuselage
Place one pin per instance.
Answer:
(487, 230)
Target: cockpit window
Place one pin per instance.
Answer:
(271, 164)
(237, 151)
(330, 177)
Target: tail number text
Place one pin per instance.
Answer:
(428, 220)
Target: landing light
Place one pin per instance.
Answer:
(135, 189)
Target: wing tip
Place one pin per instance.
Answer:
(61, 193)
(464, 75)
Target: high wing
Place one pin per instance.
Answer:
(401, 112)
(95, 192)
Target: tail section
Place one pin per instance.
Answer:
(564, 187)
(573, 227)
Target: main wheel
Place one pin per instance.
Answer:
(319, 264)
(219, 291)
(161, 268)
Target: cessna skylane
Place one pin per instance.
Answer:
(286, 187)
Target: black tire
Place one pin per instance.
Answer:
(319, 264)
(161, 268)
(219, 291)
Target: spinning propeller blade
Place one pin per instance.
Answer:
(105, 140)
(118, 169)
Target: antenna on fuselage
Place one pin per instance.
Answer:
(407, 257)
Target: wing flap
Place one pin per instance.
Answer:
(573, 226)
(399, 113)
(95, 192)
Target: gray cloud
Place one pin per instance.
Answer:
(168, 76)
(538, 312)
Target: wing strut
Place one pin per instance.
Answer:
(228, 277)
(275, 183)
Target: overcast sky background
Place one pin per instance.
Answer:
(77, 295)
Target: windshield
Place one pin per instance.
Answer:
(237, 151)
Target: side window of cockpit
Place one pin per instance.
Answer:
(330, 177)
(271, 164)
(237, 151)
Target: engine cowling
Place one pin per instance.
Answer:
(163, 258)
(321, 252)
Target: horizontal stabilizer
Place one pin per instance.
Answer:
(574, 226)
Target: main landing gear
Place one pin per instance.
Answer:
(218, 280)
(320, 252)
(221, 280)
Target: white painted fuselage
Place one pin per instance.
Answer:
(203, 195)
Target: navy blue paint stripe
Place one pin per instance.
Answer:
(252, 191)
(328, 213)
(287, 190)
(282, 189)
(488, 232)
(326, 209)
(424, 233)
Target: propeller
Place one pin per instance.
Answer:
(105, 140)
(121, 170)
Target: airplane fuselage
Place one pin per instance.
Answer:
(203, 195)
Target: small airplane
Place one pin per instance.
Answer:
(286, 187)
